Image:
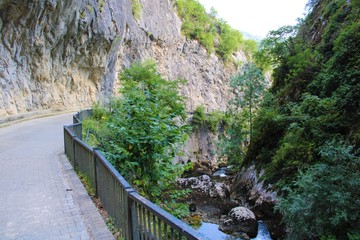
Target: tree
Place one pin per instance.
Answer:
(276, 48)
(324, 201)
(145, 129)
(248, 87)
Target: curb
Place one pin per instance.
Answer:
(13, 119)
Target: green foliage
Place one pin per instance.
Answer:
(213, 33)
(90, 9)
(83, 14)
(197, 23)
(315, 89)
(100, 113)
(91, 126)
(274, 49)
(85, 180)
(178, 209)
(315, 97)
(212, 120)
(101, 4)
(145, 129)
(234, 141)
(136, 9)
(321, 202)
(215, 119)
(230, 40)
(248, 87)
(113, 229)
(250, 47)
(269, 122)
(195, 220)
(353, 236)
(199, 117)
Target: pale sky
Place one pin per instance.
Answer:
(257, 17)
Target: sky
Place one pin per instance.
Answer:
(257, 17)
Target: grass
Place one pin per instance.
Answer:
(90, 126)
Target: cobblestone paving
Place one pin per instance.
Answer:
(40, 195)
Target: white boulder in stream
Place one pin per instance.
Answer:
(239, 219)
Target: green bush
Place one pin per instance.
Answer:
(230, 40)
(215, 119)
(322, 202)
(145, 130)
(316, 98)
(213, 33)
(233, 141)
(199, 117)
(212, 120)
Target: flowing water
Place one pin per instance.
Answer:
(221, 172)
(212, 231)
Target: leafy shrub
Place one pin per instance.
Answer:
(230, 40)
(215, 119)
(211, 120)
(145, 130)
(199, 117)
(213, 33)
(322, 201)
(99, 113)
(90, 128)
(234, 140)
(316, 98)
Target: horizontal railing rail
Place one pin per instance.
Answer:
(137, 217)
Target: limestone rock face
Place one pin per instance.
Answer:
(200, 148)
(206, 186)
(240, 219)
(58, 54)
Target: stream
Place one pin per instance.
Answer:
(211, 231)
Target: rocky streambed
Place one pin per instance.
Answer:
(234, 202)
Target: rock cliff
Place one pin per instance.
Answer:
(57, 55)
(66, 54)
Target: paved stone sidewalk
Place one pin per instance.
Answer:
(40, 195)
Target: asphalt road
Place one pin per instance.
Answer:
(40, 195)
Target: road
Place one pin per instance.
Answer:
(40, 195)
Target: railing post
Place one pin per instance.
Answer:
(133, 226)
(65, 148)
(74, 153)
(95, 171)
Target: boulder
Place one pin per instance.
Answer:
(204, 185)
(249, 190)
(239, 219)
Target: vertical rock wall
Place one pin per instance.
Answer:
(57, 54)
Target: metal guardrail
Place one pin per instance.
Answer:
(137, 217)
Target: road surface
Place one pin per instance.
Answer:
(40, 195)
